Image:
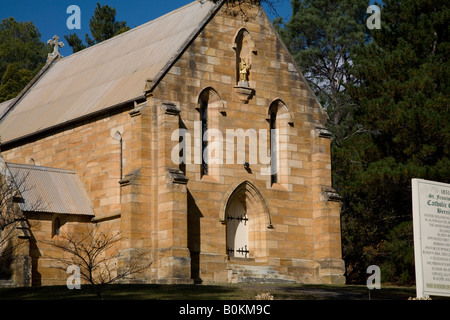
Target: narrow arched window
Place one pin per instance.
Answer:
(273, 146)
(118, 136)
(209, 106)
(204, 139)
(56, 227)
(280, 122)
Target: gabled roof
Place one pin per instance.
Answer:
(108, 74)
(4, 106)
(47, 189)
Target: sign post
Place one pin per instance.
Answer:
(431, 220)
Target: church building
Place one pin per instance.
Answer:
(195, 137)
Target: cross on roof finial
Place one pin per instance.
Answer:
(55, 43)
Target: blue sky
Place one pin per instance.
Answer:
(50, 16)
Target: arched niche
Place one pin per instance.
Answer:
(244, 47)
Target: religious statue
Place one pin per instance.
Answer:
(244, 67)
(243, 88)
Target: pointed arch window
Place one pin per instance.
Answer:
(280, 120)
(274, 154)
(56, 226)
(203, 138)
(118, 136)
(210, 107)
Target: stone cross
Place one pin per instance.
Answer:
(56, 44)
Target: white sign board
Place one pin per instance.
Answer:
(431, 220)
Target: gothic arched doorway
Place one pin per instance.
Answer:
(237, 229)
(247, 220)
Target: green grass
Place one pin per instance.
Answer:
(211, 292)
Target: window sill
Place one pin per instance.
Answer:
(277, 186)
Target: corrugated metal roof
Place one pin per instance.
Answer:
(107, 74)
(50, 190)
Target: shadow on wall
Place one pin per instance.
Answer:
(194, 216)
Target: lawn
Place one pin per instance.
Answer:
(211, 292)
(219, 301)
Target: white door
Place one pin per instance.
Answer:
(237, 230)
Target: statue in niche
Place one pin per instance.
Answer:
(245, 49)
(244, 68)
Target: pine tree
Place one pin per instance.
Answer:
(14, 80)
(387, 95)
(103, 25)
(402, 131)
(22, 55)
(321, 34)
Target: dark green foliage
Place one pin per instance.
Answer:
(321, 34)
(402, 132)
(75, 42)
(103, 25)
(22, 54)
(390, 117)
(397, 253)
(14, 80)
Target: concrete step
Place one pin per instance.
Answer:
(6, 283)
(254, 273)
